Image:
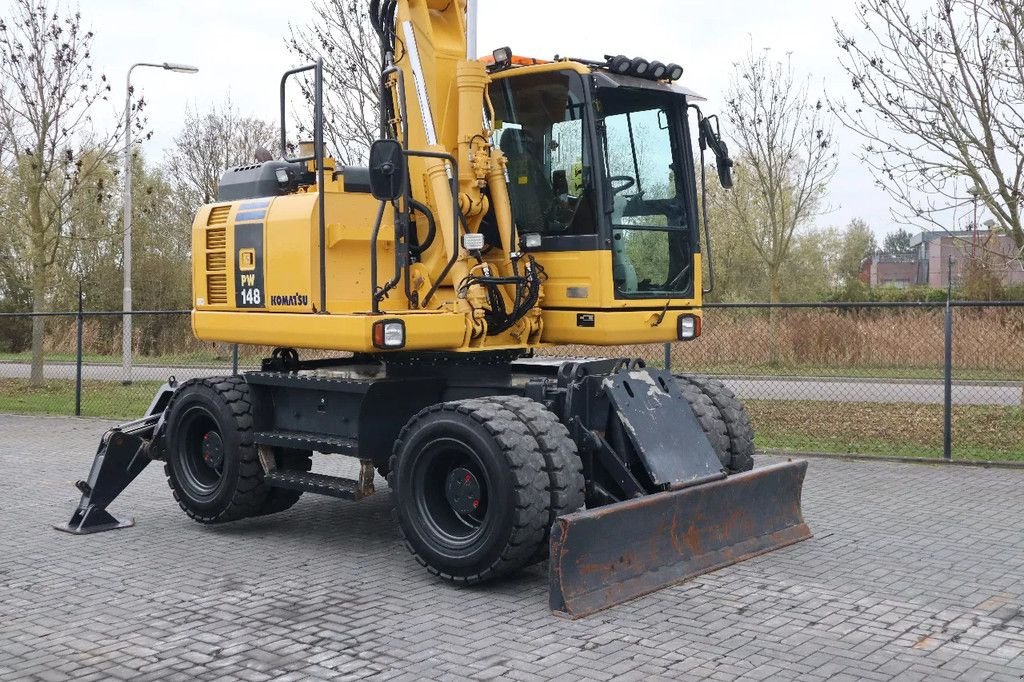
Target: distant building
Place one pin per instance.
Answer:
(927, 264)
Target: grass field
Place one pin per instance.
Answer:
(905, 430)
(57, 397)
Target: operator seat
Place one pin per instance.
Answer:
(531, 191)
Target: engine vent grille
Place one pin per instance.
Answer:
(219, 215)
(216, 261)
(216, 239)
(216, 288)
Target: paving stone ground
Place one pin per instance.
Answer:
(915, 572)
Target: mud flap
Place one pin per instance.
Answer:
(605, 556)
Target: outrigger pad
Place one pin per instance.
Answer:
(120, 458)
(605, 556)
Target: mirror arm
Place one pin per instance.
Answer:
(707, 230)
(703, 143)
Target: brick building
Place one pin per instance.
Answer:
(927, 264)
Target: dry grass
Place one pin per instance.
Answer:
(987, 342)
(888, 429)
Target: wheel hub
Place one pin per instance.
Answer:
(213, 450)
(463, 491)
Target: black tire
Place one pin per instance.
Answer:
(212, 463)
(710, 420)
(483, 534)
(736, 418)
(561, 459)
(282, 499)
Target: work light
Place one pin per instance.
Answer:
(389, 334)
(675, 72)
(639, 67)
(658, 70)
(689, 327)
(619, 64)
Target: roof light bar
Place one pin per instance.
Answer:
(642, 68)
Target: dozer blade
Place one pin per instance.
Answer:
(605, 556)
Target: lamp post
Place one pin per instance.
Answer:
(126, 309)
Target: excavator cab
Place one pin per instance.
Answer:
(604, 163)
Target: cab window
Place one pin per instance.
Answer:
(540, 129)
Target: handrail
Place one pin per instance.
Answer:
(318, 157)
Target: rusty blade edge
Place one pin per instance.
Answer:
(628, 590)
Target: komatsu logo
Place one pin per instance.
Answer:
(297, 300)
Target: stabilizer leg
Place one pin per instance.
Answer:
(120, 458)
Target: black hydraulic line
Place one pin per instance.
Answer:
(456, 217)
(425, 211)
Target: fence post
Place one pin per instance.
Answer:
(79, 322)
(234, 360)
(668, 357)
(947, 416)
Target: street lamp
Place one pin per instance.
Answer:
(126, 321)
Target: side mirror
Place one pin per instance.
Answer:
(710, 136)
(724, 165)
(388, 170)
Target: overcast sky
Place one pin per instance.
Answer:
(238, 46)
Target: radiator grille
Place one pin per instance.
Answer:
(216, 239)
(217, 288)
(219, 215)
(216, 261)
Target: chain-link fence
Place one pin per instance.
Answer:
(906, 380)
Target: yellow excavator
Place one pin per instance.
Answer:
(511, 204)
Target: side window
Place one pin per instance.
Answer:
(540, 129)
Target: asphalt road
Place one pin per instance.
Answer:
(823, 389)
(913, 573)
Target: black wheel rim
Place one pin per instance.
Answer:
(450, 487)
(201, 451)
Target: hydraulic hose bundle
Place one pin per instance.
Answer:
(527, 294)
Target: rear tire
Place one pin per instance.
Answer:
(710, 420)
(735, 416)
(470, 490)
(561, 460)
(212, 464)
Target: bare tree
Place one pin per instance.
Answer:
(341, 33)
(207, 145)
(48, 93)
(785, 159)
(941, 106)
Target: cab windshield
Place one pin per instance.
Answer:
(639, 132)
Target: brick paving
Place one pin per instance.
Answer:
(915, 573)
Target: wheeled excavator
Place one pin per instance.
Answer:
(511, 205)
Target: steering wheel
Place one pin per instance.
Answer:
(626, 181)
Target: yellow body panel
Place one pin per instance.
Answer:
(256, 263)
(423, 331)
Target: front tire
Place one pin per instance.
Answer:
(739, 453)
(212, 463)
(470, 490)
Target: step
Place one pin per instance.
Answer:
(319, 484)
(301, 440)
